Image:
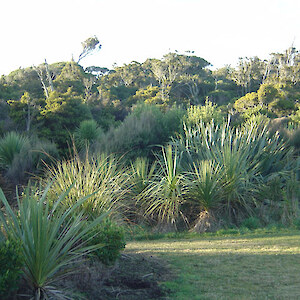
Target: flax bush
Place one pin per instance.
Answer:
(247, 157)
(53, 240)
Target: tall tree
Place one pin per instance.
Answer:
(24, 111)
(89, 46)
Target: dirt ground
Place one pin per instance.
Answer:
(135, 276)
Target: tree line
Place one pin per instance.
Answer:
(51, 101)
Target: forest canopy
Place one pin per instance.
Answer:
(50, 101)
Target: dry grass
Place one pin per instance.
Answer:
(233, 267)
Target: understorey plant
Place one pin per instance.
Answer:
(53, 238)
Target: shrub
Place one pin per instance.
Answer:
(52, 240)
(164, 195)
(11, 145)
(247, 156)
(251, 223)
(204, 193)
(206, 113)
(101, 177)
(112, 238)
(141, 174)
(21, 155)
(11, 264)
(296, 116)
(142, 131)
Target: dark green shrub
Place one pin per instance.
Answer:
(11, 145)
(10, 267)
(21, 155)
(142, 130)
(251, 223)
(112, 237)
(296, 223)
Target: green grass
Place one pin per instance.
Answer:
(256, 265)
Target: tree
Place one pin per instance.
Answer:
(61, 116)
(40, 70)
(89, 46)
(24, 109)
(72, 75)
(249, 74)
(194, 80)
(166, 71)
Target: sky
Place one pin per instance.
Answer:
(219, 31)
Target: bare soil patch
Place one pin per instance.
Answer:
(134, 276)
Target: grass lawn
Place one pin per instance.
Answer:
(248, 266)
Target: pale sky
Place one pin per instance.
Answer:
(219, 31)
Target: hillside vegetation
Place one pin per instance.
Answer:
(168, 145)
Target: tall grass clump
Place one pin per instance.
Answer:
(141, 173)
(163, 197)
(102, 177)
(52, 239)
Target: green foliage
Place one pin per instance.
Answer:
(101, 177)
(249, 101)
(148, 95)
(20, 155)
(295, 138)
(143, 130)
(25, 111)
(71, 75)
(141, 174)
(246, 157)
(32, 160)
(163, 197)
(87, 134)
(206, 113)
(6, 124)
(52, 240)
(112, 238)
(61, 116)
(267, 93)
(122, 92)
(90, 45)
(295, 118)
(23, 80)
(11, 145)
(251, 223)
(203, 183)
(11, 264)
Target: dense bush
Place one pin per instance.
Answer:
(142, 131)
(205, 113)
(11, 264)
(111, 237)
(247, 159)
(102, 178)
(251, 223)
(11, 145)
(163, 196)
(21, 155)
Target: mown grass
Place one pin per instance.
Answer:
(255, 265)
